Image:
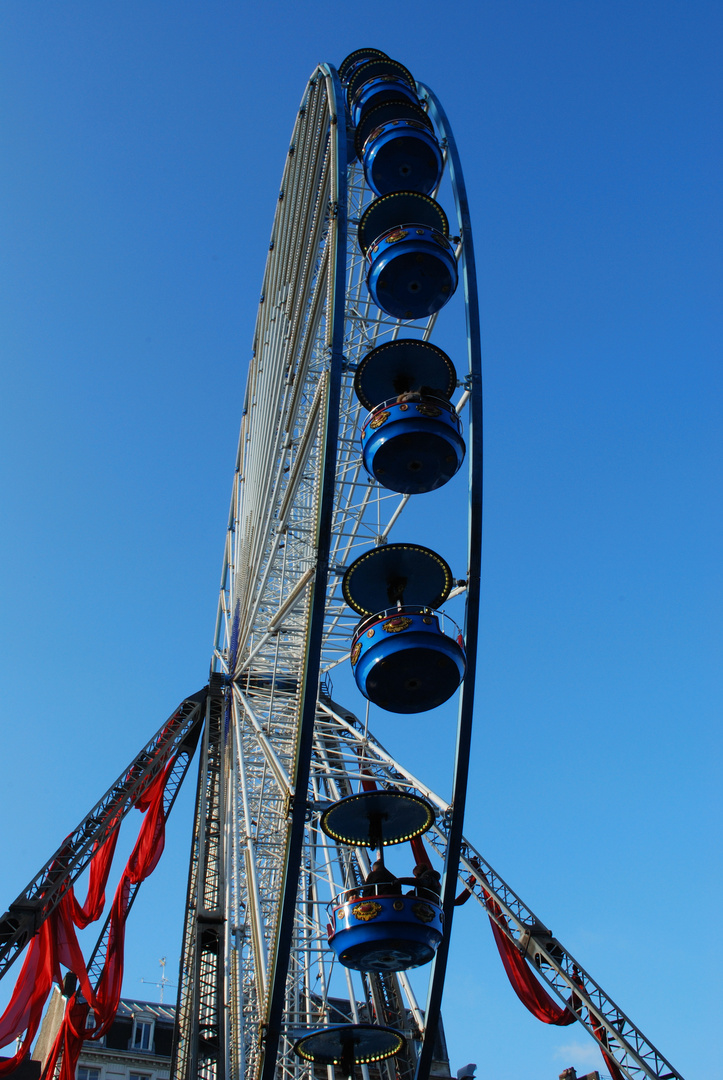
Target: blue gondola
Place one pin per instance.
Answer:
(395, 138)
(401, 656)
(378, 80)
(412, 441)
(378, 90)
(402, 154)
(413, 447)
(412, 270)
(378, 932)
(355, 59)
(374, 927)
(377, 818)
(376, 115)
(404, 661)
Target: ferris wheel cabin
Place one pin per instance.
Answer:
(406, 656)
(383, 927)
(412, 269)
(412, 439)
(397, 147)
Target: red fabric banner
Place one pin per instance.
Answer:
(535, 997)
(92, 909)
(420, 851)
(25, 1008)
(69, 953)
(141, 863)
(530, 992)
(104, 1001)
(69, 1041)
(152, 835)
(370, 784)
(56, 943)
(464, 896)
(108, 991)
(528, 989)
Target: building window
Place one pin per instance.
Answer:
(84, 1073)
(138, 1076)
(142, 1035)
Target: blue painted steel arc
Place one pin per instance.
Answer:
(404, 662)
(413, 447)
(402, 155)
(474, 549)
(378, 90)
(387, 933)
(412, 271)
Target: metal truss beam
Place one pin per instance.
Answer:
(177, 737)
(596, 1011)
(173, 784)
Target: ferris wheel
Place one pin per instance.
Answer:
(303, 953)
(360, 265)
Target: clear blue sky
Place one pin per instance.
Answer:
(142, 148)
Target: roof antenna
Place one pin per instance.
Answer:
(163, 982)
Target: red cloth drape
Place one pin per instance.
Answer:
(25, 1008)
(56, 943)
(84, 914)
(524, 983)
(530, 992)
(370, 784)
(104, 1001)
(108, 991)
(69, 1040)
(536, 998)
(464, 896)
(152, 835)
(526, 986)
(420, 851)
(68, 949)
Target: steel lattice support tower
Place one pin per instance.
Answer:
(199, 1051)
